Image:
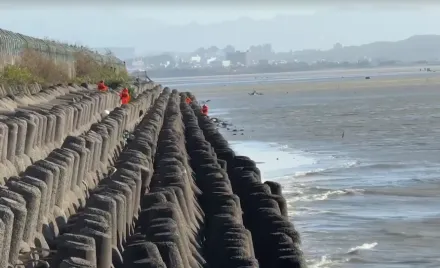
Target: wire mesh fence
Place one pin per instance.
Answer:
(12, 46)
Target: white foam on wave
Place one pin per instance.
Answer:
(324, 262)
(328, 167)
(308, 172)
(365, 246)
(280, 163)
(311, 194)
(273, 160)
(323, 196)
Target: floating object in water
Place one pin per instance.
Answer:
(255, 93)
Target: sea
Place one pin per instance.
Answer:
(360, 169)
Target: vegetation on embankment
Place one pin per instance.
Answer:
(35, 67)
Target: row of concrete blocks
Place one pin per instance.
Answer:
(227, 242)
(11, 98)
(21, 89)
(140, 251)
(172, 219)
(97, 236)
(28, 134)
(275, 240)
(15, 97)
(34, 207)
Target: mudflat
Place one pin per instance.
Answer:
(357, 159)
(341, 83)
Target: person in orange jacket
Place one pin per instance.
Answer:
(205, 109)
(102, 87)
(188, 100)
(125, 96)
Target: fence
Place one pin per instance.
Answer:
(13, 44)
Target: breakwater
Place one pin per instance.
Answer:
(89, 183)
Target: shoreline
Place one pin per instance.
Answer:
(413, 68)
(361, 84)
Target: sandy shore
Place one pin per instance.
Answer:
(326, 72)
(373, 83)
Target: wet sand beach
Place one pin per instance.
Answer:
(358, 161)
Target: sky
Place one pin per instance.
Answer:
(151, 27)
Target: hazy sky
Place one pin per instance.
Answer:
(152, 27)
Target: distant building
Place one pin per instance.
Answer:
(226, 63)
(196, 59)
(210, 60)
(220, 54)
(237, 58)
(216, 63)
(263, 62)
(337, 46)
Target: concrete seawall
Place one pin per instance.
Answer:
(149, 184)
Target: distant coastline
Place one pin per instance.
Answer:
(285, 68)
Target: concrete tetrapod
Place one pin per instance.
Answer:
(55, 188)
(110, 204)
(264, 212)
(228, 243)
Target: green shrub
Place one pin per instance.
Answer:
(36, 67)
(43, 67)
(131, 90)
(18, 75)
(88, 70)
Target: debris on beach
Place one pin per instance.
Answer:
(226, 125)
(255, 93)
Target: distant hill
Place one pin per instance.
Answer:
(415, 48)
(293, 32)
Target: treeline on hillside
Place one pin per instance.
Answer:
(35, 67)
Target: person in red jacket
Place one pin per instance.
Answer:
(102, 87)
(205, 109)
(188, 100)
(125, 96)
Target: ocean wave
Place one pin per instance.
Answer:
(393, 232)
(320, 171)
(382, 166)
(328, 261)
(323, 194)
(309, 173)
(323, 262)
(365, 246)
(279, 146)
(427, 191)
(296, 211)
